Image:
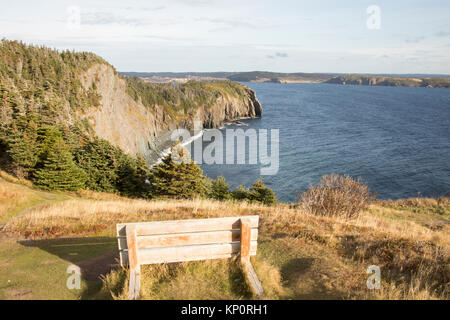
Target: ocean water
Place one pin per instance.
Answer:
(397, 139)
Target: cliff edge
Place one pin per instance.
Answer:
(136, 128)
(83, 97)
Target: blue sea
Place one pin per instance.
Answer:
(397, 139)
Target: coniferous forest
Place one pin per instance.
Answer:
(42, 139)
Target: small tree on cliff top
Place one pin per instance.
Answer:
(259, 192)
(220, 189)
(178, 177)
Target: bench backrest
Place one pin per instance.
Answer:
(188, 240)
(185, 240)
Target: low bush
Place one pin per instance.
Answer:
(335, 195)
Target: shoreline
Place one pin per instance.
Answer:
(167, 151)
(235, 122)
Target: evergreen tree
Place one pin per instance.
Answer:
(98, 158)
(22, 150)
(23, 146)
(133, 177)
(220, 189)
(47, 137)
(59, 171)
(259, 192)
(177, 179)
(241, 193)
(109, 169)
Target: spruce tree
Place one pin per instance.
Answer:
(259, 192)
(59, 171)
(177, 179)
(23, 146)
(241, 193)
(23, 152)
(98, 158)
(220, 189)
(132, 176)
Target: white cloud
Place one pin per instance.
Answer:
(202, 35)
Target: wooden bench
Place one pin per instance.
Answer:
(188, 240)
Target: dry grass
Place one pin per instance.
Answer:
(13, 197)
(93, 195)
(211, 279)
(418, 288)
(439, 206)
(270, 278)
(408, 239)
(83, 215)
(9, 178)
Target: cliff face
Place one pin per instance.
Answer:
(368, 80)
(228, 108)
(139, 129)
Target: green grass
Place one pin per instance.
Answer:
(38, 269)
(37, 199)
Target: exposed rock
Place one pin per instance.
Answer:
(371, 80)
(137, 129)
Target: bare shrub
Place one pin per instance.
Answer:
(335, 196)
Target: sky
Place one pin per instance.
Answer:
(346, 36)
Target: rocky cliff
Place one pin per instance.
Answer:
(81, 95)
(142, 129)
(371, 80)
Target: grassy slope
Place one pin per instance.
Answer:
(37, 269)
(299, 256)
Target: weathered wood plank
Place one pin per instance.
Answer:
(255, 284)
(185, 226)
(134, 286)
(123, 255)
(250, 274)
(184, 239)
(188, 240)
(191, 253)
(132, 249)
(181, 239)
(245, 239)
(122, 243)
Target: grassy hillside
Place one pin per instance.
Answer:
(300, 256)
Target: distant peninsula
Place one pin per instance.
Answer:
(370, 80)
(408, 80)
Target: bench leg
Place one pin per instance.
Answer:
(249, 272)
(134, 285)
(252, 279)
